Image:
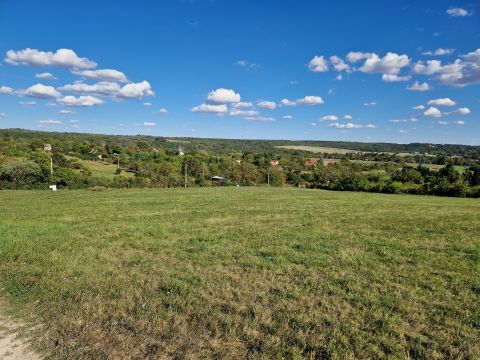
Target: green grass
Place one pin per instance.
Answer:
(102, 169)
(243, 273)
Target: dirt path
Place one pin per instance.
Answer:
(13, 346)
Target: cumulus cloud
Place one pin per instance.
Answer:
(104, 75)
(45, 75)
(136, 90)
(318, 64)
(391, 63)
(286, 102)
(459, 122)
(147, 104)
(65, 111)
(442, 102)
(267, 105)
(339, 64)
(432, 112)
(395, 78)
(3, 115)
(236, 112)
(242, 105)
(355, 56)
(329, 118)
(149, 123)
(210, 108)
(247, 64)
(112, 89)
(66, 58)
(416, 86)
(348, 117)
(371, 103)
(223, 96)
(351, 126)
(462, 111)
(311, 100)
(161, 111)
(287, 117)
(439, 52)
(411, 120)
(81, 101)
(7, 90)
(458, 12)
(259, 119)
(418, 107)
(41, 91)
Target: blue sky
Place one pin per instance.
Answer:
(345, 70)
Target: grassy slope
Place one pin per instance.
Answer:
(244, 272)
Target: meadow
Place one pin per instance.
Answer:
(245, 272)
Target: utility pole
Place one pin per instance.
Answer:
(185, 175)
(268, 177)
(51, 165)
(118, 159)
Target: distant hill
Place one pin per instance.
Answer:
(239, 145)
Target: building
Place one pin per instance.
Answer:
(47, 147)
(310, 163)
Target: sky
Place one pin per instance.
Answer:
(377, 71)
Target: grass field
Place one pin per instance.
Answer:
(101, 169)
(243, 273)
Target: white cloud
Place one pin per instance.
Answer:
(418, 107)
(28, 103)
(41, 91)
(223, 96)
(431, 67)
(259, 119)
(442, 102)
(103, 75)
(354, 56)
(371, 103)
(287, 117)
(411, 120)
(62, 58)
(149, 123)
(459, 122)
(65, 111)
(351, 126)
(209, 108)
(458, 12)
(440, 122)
(81, 101)
(241, 105)
(348, 117)
(416, 86)
(329, 118)
(339, 77)
(267, 105)
(433, 112)
(51, 105)
(74, 121)
(50, 122)
(112, 89)
(3, 115)
(462, 111)
(339, 64)
(311, 100)
(136, 90)
(236, 112)
(401, 131)
(6, 90)
(395, 78)
(45, 75)
(286, 102)
(439, 52)
(391, 63)
(161, 111)
(318, 64)
(147, 104)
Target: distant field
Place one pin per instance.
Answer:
(319, 149)
(235, 273)
(101, 169)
